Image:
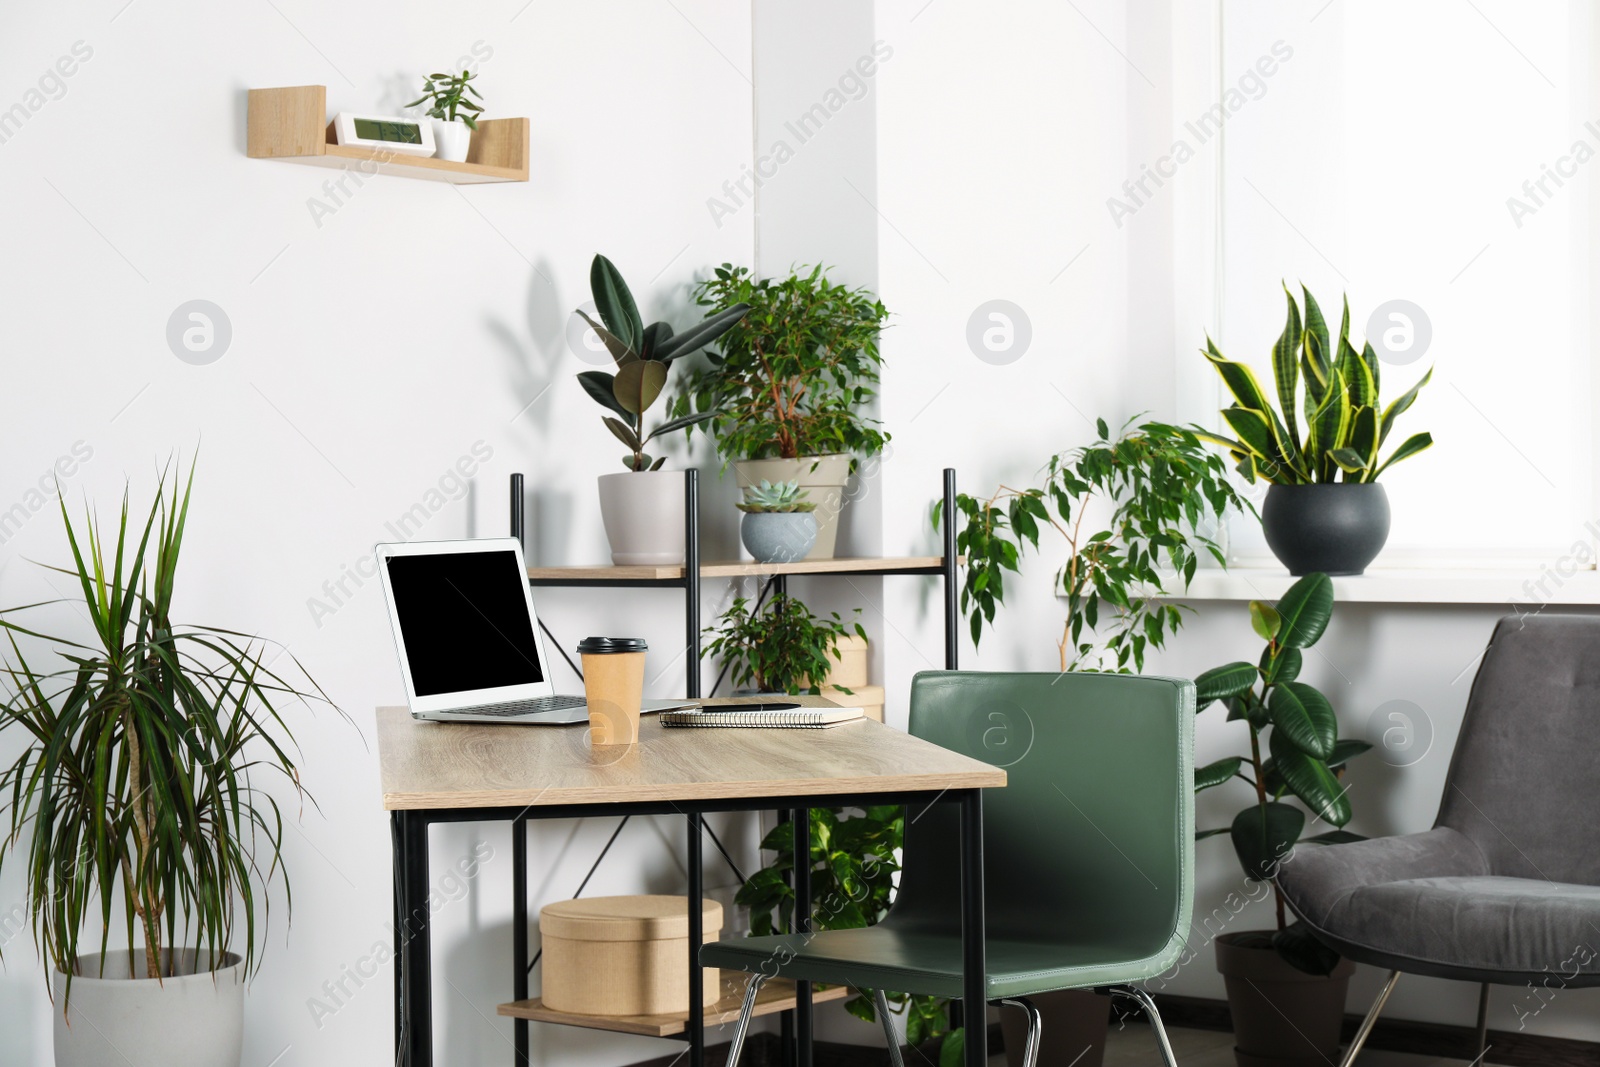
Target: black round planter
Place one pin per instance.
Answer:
(1337, 528)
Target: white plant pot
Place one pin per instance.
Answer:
(643, 515)
(823, 479)
(189, 1020)
(452, 140)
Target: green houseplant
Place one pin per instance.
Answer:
(1324, 510)
(643, 508)
(1160, 485)
(779, 646)
(788, 389)
(454, 112)
(1295, 751)
(139, 799)
(778, 525)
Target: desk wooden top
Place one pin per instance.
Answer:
(466, 765)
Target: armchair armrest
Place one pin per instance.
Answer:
(1314, 878)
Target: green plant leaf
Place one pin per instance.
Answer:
(1263, 834)
(1219, 683)
(1333, 837)
(655, 335)
(1345, 750)
(602, 388)
(638, 385)
(1317, 332)
(1300, 949)
(1279, 664)
(1305, 717)
(1420, 442)
(1201, 835)
(702, 333)
(683, 423)
(1215, 774)
(1255, 430)
(615, 302)
(954, 1050)
(1306, 608)
(1286, 371)
(1265, 620)
(1401, 406)
(1309, 779)
(620, 352)
(624, 434)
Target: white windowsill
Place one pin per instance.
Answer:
(1378, 586)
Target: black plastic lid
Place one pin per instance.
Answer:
(602, 645)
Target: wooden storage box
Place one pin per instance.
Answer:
(850, 670)
(869, 698)
(622, 955)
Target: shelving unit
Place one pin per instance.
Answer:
(291, 124)
(777, 995)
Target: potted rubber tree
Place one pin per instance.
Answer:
(787, 392)
(1286, 989)
(139, 800)
(642, 508)
(455, 116)
(1325, 510)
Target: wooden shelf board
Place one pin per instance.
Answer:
(739, 569)
(777, 995)
(426, 168)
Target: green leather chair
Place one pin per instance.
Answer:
(1089, 851)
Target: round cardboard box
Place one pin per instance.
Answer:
(623, 955)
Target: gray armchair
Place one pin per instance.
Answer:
(1505, 889)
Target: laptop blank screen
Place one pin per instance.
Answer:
(464, 620)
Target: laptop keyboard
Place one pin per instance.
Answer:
(522, 707)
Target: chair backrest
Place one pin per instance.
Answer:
(1526, 767)
(1094, 831)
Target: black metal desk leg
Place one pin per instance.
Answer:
(786, 1019)
(802, 922)
(697, 1018)
(519, 934)
(413, 943)
(952, 577)
(397, 866)
(974, 967)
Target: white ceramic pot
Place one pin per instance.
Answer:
(451, 140)
(188, 1020)
(643, 515)
(823, 479)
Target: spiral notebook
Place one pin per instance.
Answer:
(796, 719)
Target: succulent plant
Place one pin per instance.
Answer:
(769, 497)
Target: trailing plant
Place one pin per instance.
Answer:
(448, 93)
(852, 884)
(644, 355)
(794, 375)
(141, 787)
(767, 497)
(1160, 484)
(1306, 756)
(1346, 422)
(779, 646)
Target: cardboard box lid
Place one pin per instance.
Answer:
(631, 918)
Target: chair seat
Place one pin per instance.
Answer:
(1478, 928)
(924, 962)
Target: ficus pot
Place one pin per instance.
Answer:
(1336, 527)
(1282, 1017)
(452, 140)
(778, 536)
(192, 1018)
(822, 478)
(643, 516)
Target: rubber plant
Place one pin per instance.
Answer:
(1132, 511)
(1303, 756)
(140, 790)
(644, 355)
(1346, 422)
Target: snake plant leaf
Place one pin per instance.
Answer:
(1363, 441)
(1305, 717)
(1419, 442)
(1329, 427)
(615, 302)
(1316, 331)
(1398, 407)
(601, 386)
(1263, 834)
(1240, 380)
(1286, 371)
(1255, 430)
(1349, 460)
(701, 334)
(1357, 376)
(1280, 664)
(1219, 683)
(1215, 774)
(1265, 620)
(1309, 779)
(1375, 366)
(614, 344)
(1306, 607)
(638, 384)
(624, 433)
(1314, 366)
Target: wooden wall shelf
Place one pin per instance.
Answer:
(292, 124)
(777, 995)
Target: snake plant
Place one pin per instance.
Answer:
(1345, 422)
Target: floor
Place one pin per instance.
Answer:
(1134, 1046)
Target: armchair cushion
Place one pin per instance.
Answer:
(1316, 879)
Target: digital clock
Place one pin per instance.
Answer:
(401, 136)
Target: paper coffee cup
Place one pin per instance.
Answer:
(613, 686)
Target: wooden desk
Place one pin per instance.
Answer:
(455, 772)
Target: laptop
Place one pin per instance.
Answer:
(468, 637)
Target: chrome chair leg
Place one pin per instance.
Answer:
(1030, 1055)
(1147, 1002)
(1370, 1020)
(882, 1004)
(743, 1025)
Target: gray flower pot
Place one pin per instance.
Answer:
(1336, 528)
(778, 536)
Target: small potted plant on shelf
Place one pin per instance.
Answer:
(137, 789)
(787, 391)
(642, 508)
(454, 115)
(1286, 990)
(778, 525)
(777, 647)
(1325, 510)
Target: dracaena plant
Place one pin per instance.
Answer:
(140, 794)
(1151, 491)
(1303, 756)
(1333, 386)
(644, 356)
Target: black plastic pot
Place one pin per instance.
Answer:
(1337, 528)
(1281, 1017)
